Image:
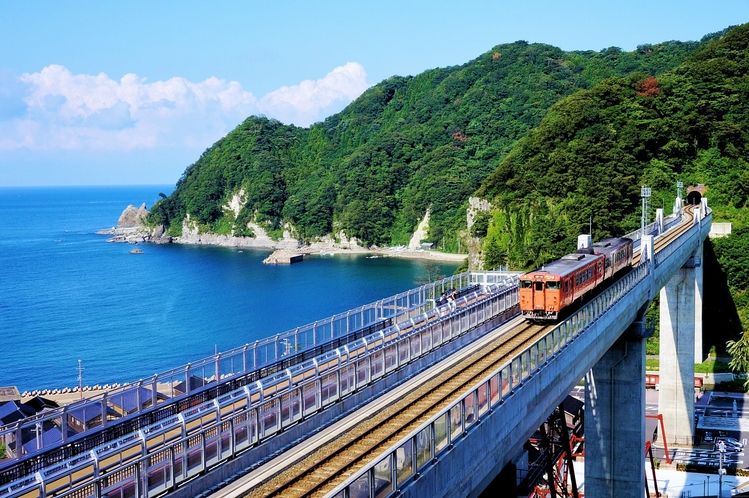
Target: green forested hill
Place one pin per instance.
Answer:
(410, 144)
(594, 149)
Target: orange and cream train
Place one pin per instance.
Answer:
(546, 293)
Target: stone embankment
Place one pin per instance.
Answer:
(284, 257)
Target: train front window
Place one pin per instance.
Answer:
(554, 285)
(526, 284)
(539, 286)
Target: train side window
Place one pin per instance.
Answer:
(554, 285)
(539, 286)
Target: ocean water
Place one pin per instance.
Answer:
(68, 295)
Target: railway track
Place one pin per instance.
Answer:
(321, 470)
(669, 236)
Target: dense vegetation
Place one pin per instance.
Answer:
(407, 145)
(593, 150)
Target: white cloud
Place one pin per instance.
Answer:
(307, 102)
(81, 111)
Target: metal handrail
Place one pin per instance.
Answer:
(482, 307)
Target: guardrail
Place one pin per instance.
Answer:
(262, 358)
(159, 457)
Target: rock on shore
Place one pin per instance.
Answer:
(131, 228)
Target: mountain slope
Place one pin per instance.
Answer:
(406, 145)
(593, 150)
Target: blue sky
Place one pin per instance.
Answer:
(101, 93)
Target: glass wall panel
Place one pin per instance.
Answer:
(483, 398)
(534, 357)
(456, 422)
(362, 372)
(310, 398)
(347, 379)
(391, 353)
(415, 345)
(378, 364)
(506, 381)
(515, 372)
(440, 433)
(494, 384)
(524, 359)
(426, 340)
(404, 351)
(404, 462)
(383, 477)
(469, 410)
(360, 487)
(423, 447)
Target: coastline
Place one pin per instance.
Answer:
(139, 238)
(324, 247)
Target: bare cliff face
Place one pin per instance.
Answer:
(131, 228)
(132, 217)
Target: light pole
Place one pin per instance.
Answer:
(679, 186)
(721, 450)
(645, 193)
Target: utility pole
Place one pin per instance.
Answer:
(721, 450)
(80, 379)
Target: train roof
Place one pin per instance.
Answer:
(613, 242)
(567, 264)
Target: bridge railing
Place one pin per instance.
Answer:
(396, 467)
(652, 229)
(156, 458)
(694, 231)
(143, 395)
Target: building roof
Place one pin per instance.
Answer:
(127, 401)
(13, 411)
(9, 394)
(723, 424)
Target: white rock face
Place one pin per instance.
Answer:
(192, 235)
(420, 233)
(475, 205)
(236, 203)
(475, 254)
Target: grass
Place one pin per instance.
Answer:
(711, 365)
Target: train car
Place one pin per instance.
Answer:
(546, 292)
(618, 252)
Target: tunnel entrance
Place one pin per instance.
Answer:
(695, 193)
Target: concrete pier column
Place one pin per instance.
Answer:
(677, 354)
(615, 421)
(696, 261)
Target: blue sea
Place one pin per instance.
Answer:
(68, 295)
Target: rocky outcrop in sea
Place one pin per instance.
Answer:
(131, 228)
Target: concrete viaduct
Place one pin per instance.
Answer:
(610, 354)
